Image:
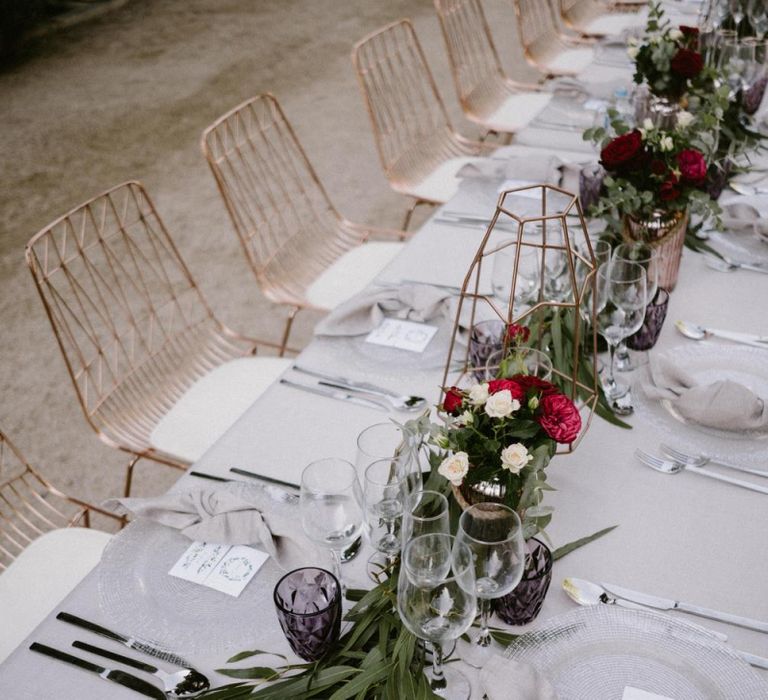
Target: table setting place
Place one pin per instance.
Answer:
(460, 487)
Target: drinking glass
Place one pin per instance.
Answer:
(331, 506)
(437, 602)
(647, 256)
(735, 58)
(554, 260)
(521, 361)
(528, 273)
(495, 535)
(427, 512)
(621, 301)
(385, 492)
(387, 441)
(485, 338)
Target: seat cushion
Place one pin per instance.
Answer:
(615, 23)
(212, 404)
(441, 184)
(517, 111)
(41, 577)
(351, 273)
(570, 61)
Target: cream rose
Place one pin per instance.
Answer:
(515, 457)
(478, 394)
(501, 404)
(684, 119)
(675, 34)
(632, 52)
(454, 468)
(466, 418)
(666, 143)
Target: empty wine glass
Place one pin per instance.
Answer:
(331, 506)
(528, 273)
(437, 602)
(427, 512)
(735, 57)
(495, 535)
(524, 360)
(387, 441)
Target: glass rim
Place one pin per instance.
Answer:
(549, 566)
(372, 427)
(429, 518)
(304, 486)
(390, 460)
(282, 608)
(455, 542)
(477, 507)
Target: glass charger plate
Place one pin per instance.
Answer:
(596, 652)
(708, 362)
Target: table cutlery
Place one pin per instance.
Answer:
(470, 221)
(668, 466)
(398, 401)
(120, 677)
(747, 190)
(211, 477)
(723, 264)
(186, 683)
(658, 603)
(338, 395)
(144, 646)
(702, 460)
(284, 495)
(697, 332)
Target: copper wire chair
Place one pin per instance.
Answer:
(133, 327)
(419, 150)
(487, 95)
(289, 230)
(545, 45)
(594, 19)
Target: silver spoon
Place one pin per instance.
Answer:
(696, 332)
(747, 190)
(728, 265)
(185, 683)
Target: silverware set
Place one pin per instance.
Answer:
(695, 331)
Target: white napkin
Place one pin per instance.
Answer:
(724, 404)
(740, 216)
(515, 168)
(223, 516)
(508, 679)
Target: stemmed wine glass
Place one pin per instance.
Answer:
(495, 535)
(427, 512)
(387, 441)
(528, 273)
(437, 602)
(331, 506)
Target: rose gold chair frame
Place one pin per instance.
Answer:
(410, 124)
(289, 230)
(574, 13)
(540, 34)
(30, 506)
(481, 83)
(133, 327)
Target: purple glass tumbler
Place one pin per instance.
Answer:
(649, 332)
(523, 604)
(308, 605)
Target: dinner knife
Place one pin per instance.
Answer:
(120, 677)
(338, 395)
(670, 604)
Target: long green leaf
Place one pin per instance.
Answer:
(366, 679)
(568, 548)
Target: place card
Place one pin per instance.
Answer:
(223, 567)
(404, 335)
(631, 693)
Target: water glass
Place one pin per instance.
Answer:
(385, 493)
(387, 441)
(427, 512)
(485, 338)
(649, 332)
(528, 273)
(522, 360)
(522, 605)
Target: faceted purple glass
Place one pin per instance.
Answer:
(308, 605)
(486, 337)
(524, 603)
(590, 185)
(655, 313)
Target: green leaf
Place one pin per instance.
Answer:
(256, 672)
(560, 552)
(362, 681)
(247, 654)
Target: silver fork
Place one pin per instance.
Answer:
(702, 460)
(668, 466)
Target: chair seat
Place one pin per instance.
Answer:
(570, 61)
(351, 273)
(41, 577)
(441, 184)
(517, 111)
(212, 404)
(615, 23)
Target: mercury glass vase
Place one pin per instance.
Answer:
(663, 230)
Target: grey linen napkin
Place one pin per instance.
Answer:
(224, 516)
(515, 168)
(508, 679)
(407, 302)
(724, 404)
(740, 216)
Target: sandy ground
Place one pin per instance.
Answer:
(126, 96)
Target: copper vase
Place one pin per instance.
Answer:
(666, 232)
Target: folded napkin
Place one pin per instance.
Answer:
(740, 216)
(231, 514)
(407, 302)
(536, 170)
(724, 404)
(508, 679)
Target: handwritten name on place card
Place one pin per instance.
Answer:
(404, 335)
(223, 567)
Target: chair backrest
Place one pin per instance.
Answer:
(410, 124)
(133, 328)
(29, 506)
(575, 11)
(475, 65)
(283, 216)
(538, 28)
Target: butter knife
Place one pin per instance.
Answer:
(120, 677)
(338, 395)
(670, 604)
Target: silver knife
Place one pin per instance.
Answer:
(670, 604)
(338, 395)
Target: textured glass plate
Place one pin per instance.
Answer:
(708, 362)
(595, 652)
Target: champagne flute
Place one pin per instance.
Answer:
(437, 602)
(495, 535)
(331, 506)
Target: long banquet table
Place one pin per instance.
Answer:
(684, 536)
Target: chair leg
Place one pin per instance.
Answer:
(409, 213)
(129, 476)
(287, 331)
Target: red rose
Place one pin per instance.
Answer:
(531, 381)
(689, 32)
(658, 167)
(623, 152)
(497, 385)
(453, 400)
(693, 167)
(517, 333)
(687, 63)
(669, 189)
(559, 418)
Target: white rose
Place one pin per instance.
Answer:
(501, 404)
(515, 457)
(478, 394)
(666, 143)
(675, 34)
(632, 52)
(684, 119)
(454, 468)
(647, 124)
(466, 418)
